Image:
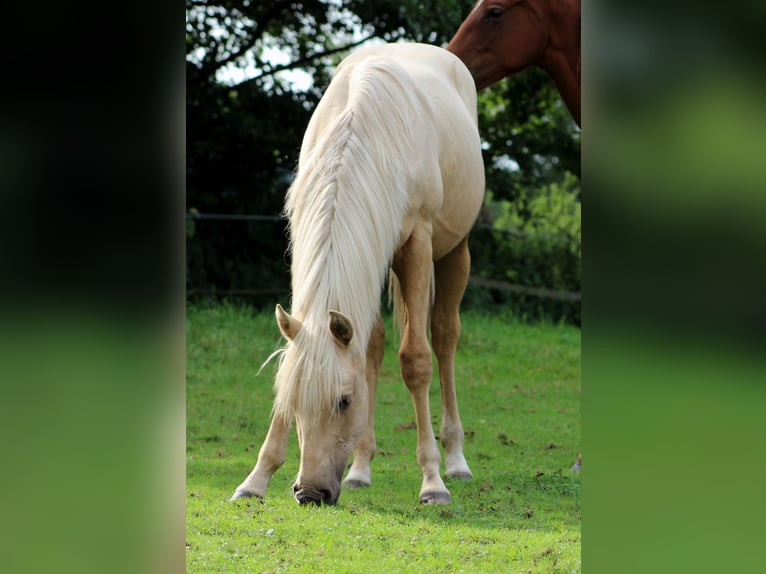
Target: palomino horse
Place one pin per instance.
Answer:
(390, 176)
(502, 37)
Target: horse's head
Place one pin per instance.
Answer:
(329, 402)
(502, 37)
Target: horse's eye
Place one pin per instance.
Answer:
(344, 403)
(493, 13)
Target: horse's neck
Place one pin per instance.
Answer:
(562, 57)
(566, 76)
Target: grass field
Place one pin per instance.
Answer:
(519, 393)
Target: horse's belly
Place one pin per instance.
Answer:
(446, 191)
(447, 212)
(463, 196)
(454, 222)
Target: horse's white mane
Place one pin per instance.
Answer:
(345, 208)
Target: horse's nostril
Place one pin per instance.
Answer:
(328, 498)
(307, 495)
(304, 498)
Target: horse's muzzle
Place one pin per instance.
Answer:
(309, 495)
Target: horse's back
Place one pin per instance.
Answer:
(430, 69)
(436, 97)
(435, 77)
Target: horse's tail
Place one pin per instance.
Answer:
(397, 305)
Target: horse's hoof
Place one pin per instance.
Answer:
(435, 498)
(239, 494)
(354, 484)
(460, 476)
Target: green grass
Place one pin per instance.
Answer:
(519, 395)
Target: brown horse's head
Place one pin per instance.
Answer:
(502, 37)
(321, 383)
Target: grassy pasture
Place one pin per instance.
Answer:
(519, 396)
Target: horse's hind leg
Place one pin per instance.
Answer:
(270, 458)
(364, 451)
(412, 265)
(451, 279)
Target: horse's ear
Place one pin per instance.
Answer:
(288, 324)
(341, 329)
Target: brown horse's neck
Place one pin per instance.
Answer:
(562, 58)
(567, 80)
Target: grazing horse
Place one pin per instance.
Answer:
(390, 177)
(502, 37)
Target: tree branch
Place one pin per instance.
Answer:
(218, 64)
(305, 60)
(260, 24)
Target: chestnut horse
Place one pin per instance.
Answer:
(502, 37)
(390, 176)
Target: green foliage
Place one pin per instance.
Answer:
(244, 134)
(519, 394)
(523, 119)
(428, 21)
(532, 241)
(529, 233)
(550, 219)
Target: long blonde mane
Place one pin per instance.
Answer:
(345, 208)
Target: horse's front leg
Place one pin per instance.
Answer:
(413, 265)
(270, 458)
(360, 473)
